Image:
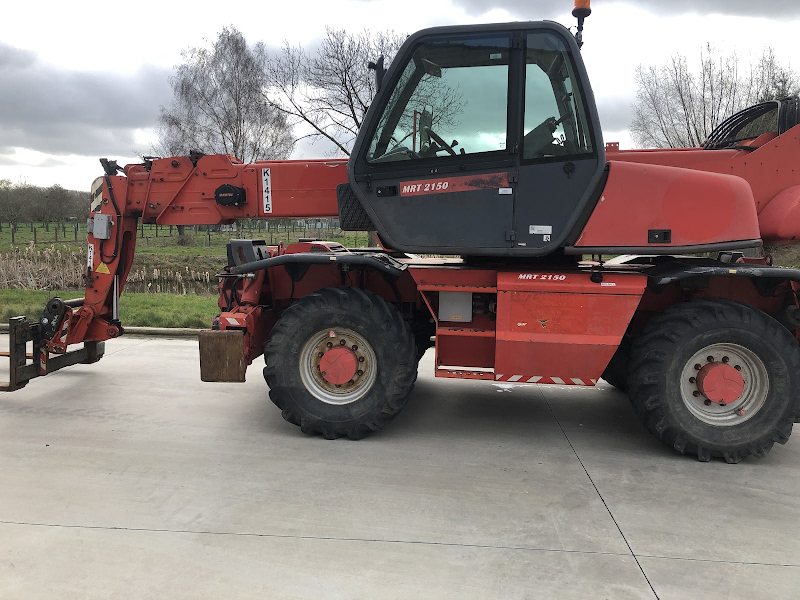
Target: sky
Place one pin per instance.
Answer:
(84, 80)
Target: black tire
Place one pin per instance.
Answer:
(673, 346)
(382, 342)
(616, 372)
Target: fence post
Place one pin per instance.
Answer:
(34, 236)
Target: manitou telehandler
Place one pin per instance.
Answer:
(483, 144)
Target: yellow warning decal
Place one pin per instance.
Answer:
(102, 268)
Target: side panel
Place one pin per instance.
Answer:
(780, 220)
(695, 207)
(556, 324)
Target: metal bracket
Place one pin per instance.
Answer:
(42, 363)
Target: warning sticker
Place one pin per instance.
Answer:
(446, 185)
(90, 256)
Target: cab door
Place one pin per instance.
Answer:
(561, 158)
(433, 167)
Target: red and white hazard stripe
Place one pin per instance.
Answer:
(542, 379)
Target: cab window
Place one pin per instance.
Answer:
(555, 123)
(450, 100)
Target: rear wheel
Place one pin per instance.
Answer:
(716, 378)
(340, 362)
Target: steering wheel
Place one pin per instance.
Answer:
(438, 139)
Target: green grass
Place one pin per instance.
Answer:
(143, 310)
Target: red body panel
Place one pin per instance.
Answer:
(779, 219)
(174, 192)
(698, 207)
(550, 326)
(770, 170)
(562, 324)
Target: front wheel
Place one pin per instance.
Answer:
(340, 362)
(716, 378)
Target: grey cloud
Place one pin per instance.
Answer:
(7, 159)
(52, 162)
(546, 9)
(71, 112)
(15, 58)
(615, 112)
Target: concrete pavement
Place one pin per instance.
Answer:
(131, 478)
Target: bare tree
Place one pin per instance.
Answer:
(677, 107)
(330, 91)
(8, 212)
(773, 81)
(218, 105)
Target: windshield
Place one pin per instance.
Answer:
(452, 98)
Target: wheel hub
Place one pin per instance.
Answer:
(338, 365)
(720, 383)
(724, 384)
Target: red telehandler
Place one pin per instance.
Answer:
(703, 339)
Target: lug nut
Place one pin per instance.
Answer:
(697, 367)
(320, 355)
(360, 359)
(710, 358)
(350, 382)
(359, 372)
(695, 393)
(342, 342)
(725, 359)
(737, 367)
(354, 347)
(329, 345)
(707, 402)
(721, 403)
(692, 380)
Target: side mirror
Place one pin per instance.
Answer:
(380, 71)
(431, 68)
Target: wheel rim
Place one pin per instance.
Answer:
(723, 409)
(344, 353)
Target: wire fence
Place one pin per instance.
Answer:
(72, 233)
(52, 256)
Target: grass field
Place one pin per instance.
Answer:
(143, 310)
(163, 262)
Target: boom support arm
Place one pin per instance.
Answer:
(181, 190)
